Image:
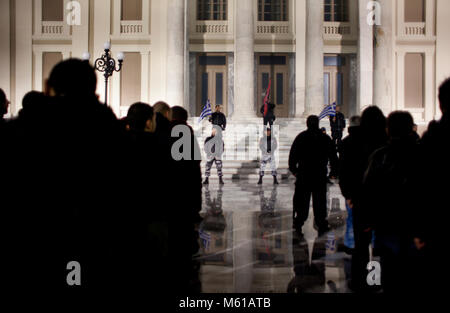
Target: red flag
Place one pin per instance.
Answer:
(266, 98)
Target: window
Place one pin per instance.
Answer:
(215, 10)
(49, 60)
(131, 10)
(414, 11)
(272, 10)
(52, 10)
(130, 79)
(414, 80)
(272, 60)
(212, 60)
(336, 11)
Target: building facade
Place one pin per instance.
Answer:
(389, 53)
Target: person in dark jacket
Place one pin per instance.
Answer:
(338, 125)
(353, 162)
(4, 104)
(354, 130)
(60, 156)
(268, 114)
(415, 133)
(163, 116)
(218, 118)
(144, 224)
(185, 205)
(432, 222)
(214, 148)
(308, 161)
(390, 190)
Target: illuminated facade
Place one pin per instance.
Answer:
(187, 51)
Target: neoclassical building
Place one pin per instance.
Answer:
(390, 53)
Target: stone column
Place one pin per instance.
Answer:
(175, 52)
(80, 33)
(244, 61)
(442, 48)
(300, 56)
(24, 53)
(5, 56)
(314, 57)
(384, 58)
(365, 59)
(158, 54)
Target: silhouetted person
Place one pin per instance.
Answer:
(338, 125)
(268, 145)
(415, 133)
(354, 160)
(143, 240)
(436, 147)
(354, 132)
(4, 105)
(268, 114)
(185, 203)
(390, 191)
(60, 185)
(218, 118)
(179, 114)
(31, 104)
(214, 148)
(163, 116)
(308, 160)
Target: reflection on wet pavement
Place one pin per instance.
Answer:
(248, 244)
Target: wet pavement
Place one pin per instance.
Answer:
(248, 245)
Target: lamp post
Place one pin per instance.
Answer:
(107, 65)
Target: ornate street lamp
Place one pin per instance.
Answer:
(107, 65)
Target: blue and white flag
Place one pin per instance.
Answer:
(206, 111)
(330, 110)
(206, 239)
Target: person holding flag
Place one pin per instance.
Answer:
(268, 109)
(218, 118)
(338, 124)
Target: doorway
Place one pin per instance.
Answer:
(274, 67)
(336, 81)
(212, 81)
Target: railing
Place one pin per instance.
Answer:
(336, 29)
(211, 27)
(131, 27)
(415, 29)
(52, 28)
(272, 28)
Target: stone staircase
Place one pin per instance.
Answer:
(242, 155)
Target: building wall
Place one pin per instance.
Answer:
(26, 45)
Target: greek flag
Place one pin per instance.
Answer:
(330, 110)
(206, 111)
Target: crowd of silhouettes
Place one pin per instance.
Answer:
(394, 183)
(78, 184)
